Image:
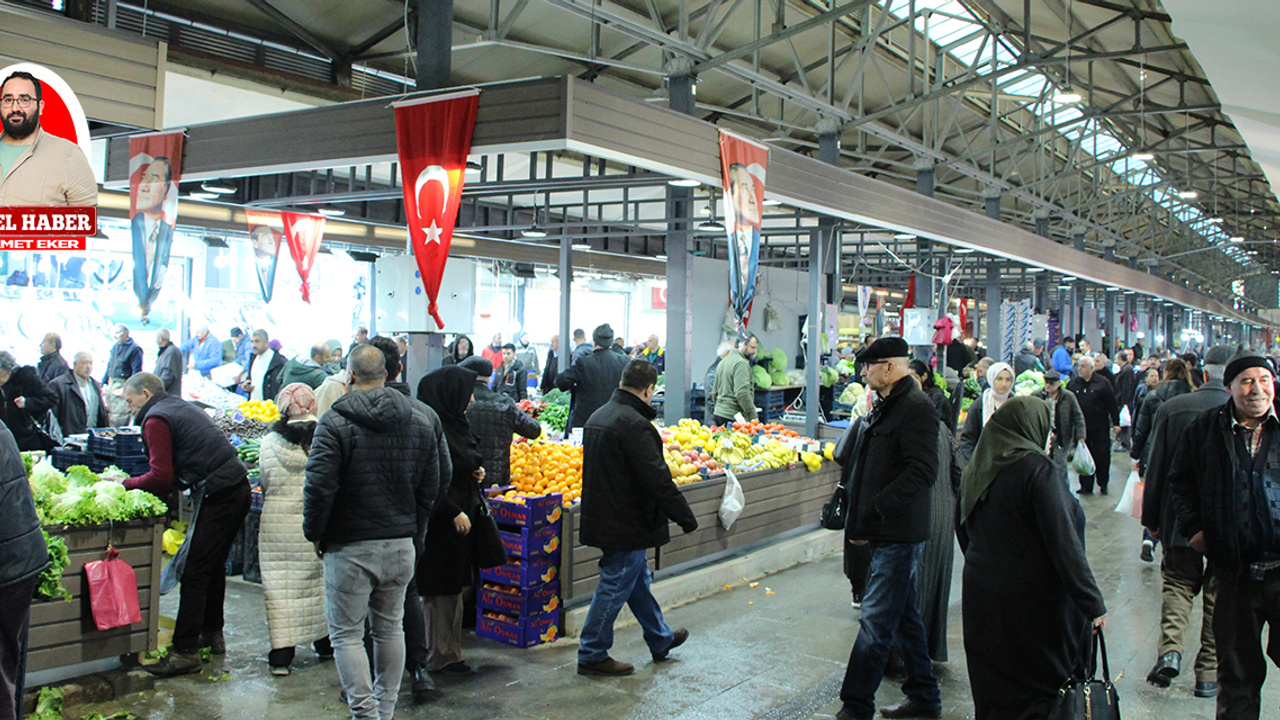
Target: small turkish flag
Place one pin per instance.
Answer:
(433, 137)
(304, 233)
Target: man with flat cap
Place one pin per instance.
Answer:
(1226, 492)
(894, 465)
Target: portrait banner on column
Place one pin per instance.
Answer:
(433, 138)
(155, 167)
(304, 233)
(742, 166)
(265, 232)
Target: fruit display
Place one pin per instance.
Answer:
(531, 407)
(264, 410)
(541, 467)
(755, 427)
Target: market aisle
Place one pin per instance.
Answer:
(750, 655)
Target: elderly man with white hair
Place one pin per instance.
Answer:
(203, 350)
(80, 402)
(169, 364)
(1101, 411)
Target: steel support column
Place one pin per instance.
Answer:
(993, 310)
(1109, 254)
(435, 44)
(814, 324)
(679, 279)
(565, 268)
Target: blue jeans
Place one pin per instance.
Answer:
(890, 615)
(624, 580)
(368, 578)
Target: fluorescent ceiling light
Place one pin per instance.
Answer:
(201, 195)
(903, 236)
(660, 257)
(1237, 238)
(683, 182)
(771, 202)
(1188, 194)
(533, 232)
(1214, 221)
(711, 226)
(331, 211)
(1067, 95)
(1143, 156)
(963, 251)
(218, 188)
(1035, 269)
(581, 246)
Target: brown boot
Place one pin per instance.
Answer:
(175, 663)
(607, 667)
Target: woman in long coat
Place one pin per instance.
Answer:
(292, 575)
(1029, 595)
(448, 563)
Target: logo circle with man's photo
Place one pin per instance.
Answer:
(62, 114)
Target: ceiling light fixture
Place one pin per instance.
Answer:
(963, 251)
(218, 188)
(581, 246)
(1066, 96)
(1188, 194)
(331, 211)
(660, 257)
(1144, 156)
(771, 202)
(202, 195)
(1035, 269)
(533, 232)
(1214, 221)
(683, 182)
(1237, 238)
(903, 236)
(711, 226)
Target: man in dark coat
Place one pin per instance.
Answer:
(592, 378)
(262, 375)
(169, 364)
(581, 347)
(80, 404)
(1125, 382)
(1101, 412)
(551, 368)
(24, 401)
(52, 365)
(628, 498)
(188, 452)
(1027, 359)
(893, 469)
(23, 557)
(494, 417)
(511, 378)
(125, 362)
(1226, 496)
(1182, 568)
(373, 477)
(1068, 421)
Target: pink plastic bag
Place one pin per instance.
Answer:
(113, 592)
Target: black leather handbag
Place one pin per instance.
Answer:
(1093, 698)
(835, 510)
(490, 552)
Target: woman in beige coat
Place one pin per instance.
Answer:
(292, 575)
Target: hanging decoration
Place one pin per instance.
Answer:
(155, 167)
(742, 167)
(433, 137)
(264, 236)
(304, 233)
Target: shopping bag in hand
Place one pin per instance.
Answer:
(1136, 511)
(113, 592)
(733, 501)
(1128, 502)
(1082, 460)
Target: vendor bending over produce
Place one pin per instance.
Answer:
(186, 447)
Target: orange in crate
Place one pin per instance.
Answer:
(542, 468)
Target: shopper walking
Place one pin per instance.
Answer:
(493, 351)
(52, 365)
(1224, 484)
(25, 403)
(893, 471)
(372, 481)
(999, 389)
(1183, 570)
(169, 363)
(449, 558)
(261, 379)
(1176, 380)
(592, 378)
(23, 557)
(292, 575)
(1068, 421)
(1028, 591)
(628, 498)
(1101, 412)
(653, 353)
(511, 378)
(924, 375)
(933, 577)
(734, 391)
(187, 451)
(551, 366)
(205, 352)
(1127, 378)
(79, 404)
(1062, 357)
(309, 371)
(125, 362)
(494, 418)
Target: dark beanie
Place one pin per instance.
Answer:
(1244, 360)
(602, 336)
(478, 365)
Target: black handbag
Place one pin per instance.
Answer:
(835, 510)
(490, 552)
(1091, 699)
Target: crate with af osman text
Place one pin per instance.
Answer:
(537, 511)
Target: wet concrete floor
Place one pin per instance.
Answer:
(750, 655)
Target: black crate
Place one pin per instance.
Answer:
(63, 458)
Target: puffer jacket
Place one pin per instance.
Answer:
(627, 492)
(374, 470)
(592, 380)
(292, 575)
(22, 549)
(494, 417)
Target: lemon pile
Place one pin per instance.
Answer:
(264, 410)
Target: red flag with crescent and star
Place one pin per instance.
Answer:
(303, 233)
(433, 137)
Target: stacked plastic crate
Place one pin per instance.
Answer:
(105, 447)
(519, 603)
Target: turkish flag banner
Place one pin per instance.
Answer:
(433, 138)
(742, 168)
(304, 233)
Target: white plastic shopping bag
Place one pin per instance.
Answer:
(733, 502)
(1082, 460)
(1125, 506)
(1126, 420)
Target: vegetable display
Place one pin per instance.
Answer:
(554, 418)
(852, 394)
(51, 579)
(248, 452)
(761, 377)
(82, 497)
(1028, 383)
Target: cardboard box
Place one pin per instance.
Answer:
(534, 511)
(522, 573)
(520, 602)
(521, 632)
(535, 542)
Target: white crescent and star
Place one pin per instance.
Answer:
(433, 173)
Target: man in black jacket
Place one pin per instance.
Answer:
(261, 377)
(551, 368)
(592, 378)
(494, 418)
(372, 480)
(80, 403)
(24, 401)
(1101, 412)
(1126, 381)
(52, 365)
(512, 377)
(627, 498)
(1182, 568)
(169, 364)
(893, 469)
(22, 558)
(1226, 492)
(125, 362)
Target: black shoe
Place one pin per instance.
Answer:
(174, 664)
(911, 709)
(458, 669)
(1206, 689)
(215, 641)
(678, 637)
(1082, 491)
(423, 685)
(1102, 491)
(323, 648)
(1166, 669)
(607, 667)
(1148, 551)
(845, 714)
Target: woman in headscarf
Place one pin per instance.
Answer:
(292, 575)
(335, 356)
(999, 388)
(1029, 596)
(447, 565)
(460, 350)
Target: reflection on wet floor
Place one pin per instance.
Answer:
(750, 655)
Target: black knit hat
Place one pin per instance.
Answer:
(1244, 360)
(478, 365)
(885, 348)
